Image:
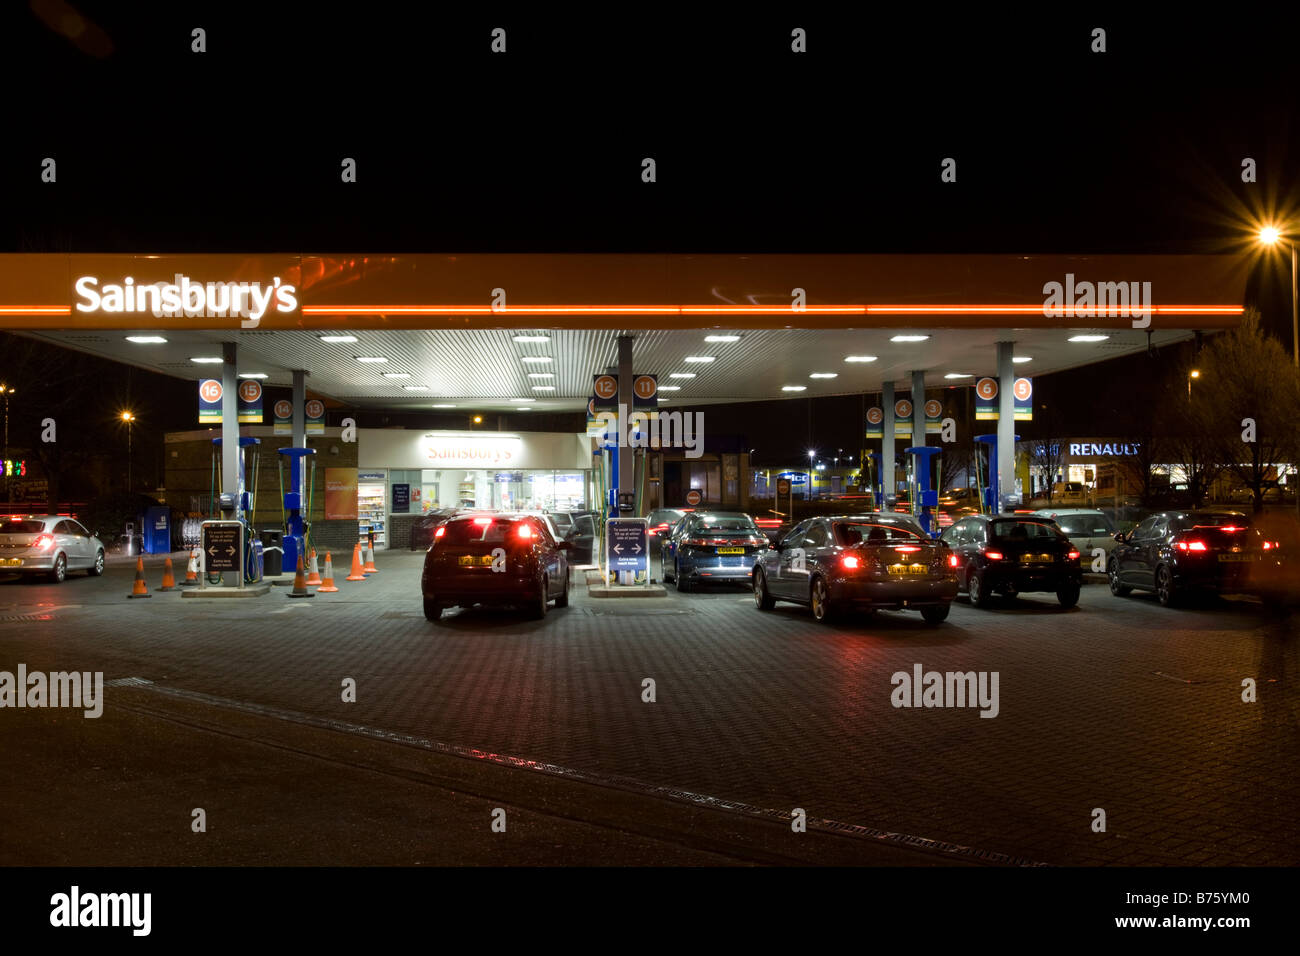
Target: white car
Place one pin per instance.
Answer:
(51, 545)
(1088, 528)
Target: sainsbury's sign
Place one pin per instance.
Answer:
(248, 301)
(470, 451)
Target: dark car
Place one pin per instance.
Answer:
(872, 561)
(1175, 552)
(506, 558)
(661, 521)
(710, 546)
(1012, 553)
(423, 529)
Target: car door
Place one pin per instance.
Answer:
(1134, 567)
(81, 544)
(668, 551)
(554, 560)
(65, 540)
(817, 546)
(791, 557)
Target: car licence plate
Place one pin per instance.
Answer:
(12, 563)
(470, 560)
(907, 569)
(731, 551)
(1035, 558)
(1239, 557)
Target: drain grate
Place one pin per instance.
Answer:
(8, 618)
(127, 682)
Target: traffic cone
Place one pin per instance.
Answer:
(328, 583)
(357, 573)
(139, 589)
(313, 579)
(169, 582)
(192, 572)
(300, 583)
(370, 560)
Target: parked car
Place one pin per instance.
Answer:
(661, 521)
(504, 558)
(1175, 552)
(1014, 553)
(423, 529)
(50, 545)
(710, 546)
(1088, 528)
(879, 560)
(579, 529)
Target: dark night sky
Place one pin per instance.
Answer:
(1059, 150)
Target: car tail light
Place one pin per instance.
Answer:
(440, 532)
(1191, 546)
(1073, 555)
(1270, 545)
(43, 541)
(953, 561)
(993, 555)
(850, 562)
(482, 522)
(524, 532)
(907, 548)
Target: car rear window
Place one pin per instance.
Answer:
(23, 527)
(877, 531)
(1213, 521)
(483, 530)
(1090, 525)
(1015, 529)
(727, 523)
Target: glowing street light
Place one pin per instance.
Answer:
(1272, 236)
(130, 420)
(1194, 373)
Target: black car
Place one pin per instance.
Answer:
(871, 561)
(661, 521)
(423, 530)
(505, 558)
(1013, 553)
(1175, 552)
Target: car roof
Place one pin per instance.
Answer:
(1069, 511)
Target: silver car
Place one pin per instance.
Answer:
(1088, 528)
(51, 545)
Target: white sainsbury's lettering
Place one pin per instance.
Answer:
(248, 300)
(1089, 299)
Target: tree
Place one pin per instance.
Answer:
(1046, 457)
(1246, 403)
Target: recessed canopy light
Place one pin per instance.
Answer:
(540, 375)
(670, 388)
(958, 375)
(337, 338)
(443, 406)
(1022, 359)
(793, 388)
(206, 360)
(1089, 338)
(700, 358)
(722, 338)
(397, 375)
(252, 375)
(909, 338)
(859, 358)
(523, 399)
(415, 388)
(146, 339)
(543, 388)
(824, 375)
(682, 375)
(536, 358)
(524, 408)
(532, 338)
(370, 359)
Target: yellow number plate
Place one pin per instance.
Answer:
(908, 569)
(12, 563)
(731, 551)
(469, 560)
(1035, 558)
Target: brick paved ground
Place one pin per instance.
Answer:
(1119, 704)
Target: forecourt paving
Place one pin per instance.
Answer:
(1118, 705)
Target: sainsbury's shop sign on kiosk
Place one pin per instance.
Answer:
(454, 451)
(248, 301)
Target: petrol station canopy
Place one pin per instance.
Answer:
(465, 327)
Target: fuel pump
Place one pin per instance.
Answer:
(297, 529)
(991, 497)
(236, 504)
(924, 498)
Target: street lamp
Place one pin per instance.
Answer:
(1272, 236)
(129, 419)
(812, 475)
(1194, 373)
(6, 391)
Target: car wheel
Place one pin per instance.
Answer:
(98, 567)
(563, 599)
(432, 609)
(1112, 578)
(935, 615)
(537, 610)
(683, 583)
(1166, 594)
(975, 589)
(60, 569)
(1068, 594)
(823, 610)
(763, 599)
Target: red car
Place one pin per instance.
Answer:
(506, 558)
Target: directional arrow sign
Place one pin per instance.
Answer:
(625, 545)
(222, 543)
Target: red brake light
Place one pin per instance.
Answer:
(43, 541)
(993, 555)
(850, 562)
(440, 531)
(1074, 555)
(1269, 545)
(953, 561)
(482, 522)
(906, 548)
(525, 532)
(1191, 546)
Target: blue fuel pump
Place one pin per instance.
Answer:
(925, 499)
(296, 528)
(992, 492)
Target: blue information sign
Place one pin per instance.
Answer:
(625, 545)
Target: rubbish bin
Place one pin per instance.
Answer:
(272, 552)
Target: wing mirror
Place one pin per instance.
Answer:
(1119, 536)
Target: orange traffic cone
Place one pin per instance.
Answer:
(313, 579)
(192, 571)
(370, 560)
(300, 583)
(357, 573)
(169, 582)
(139, 589)
(328, 583)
